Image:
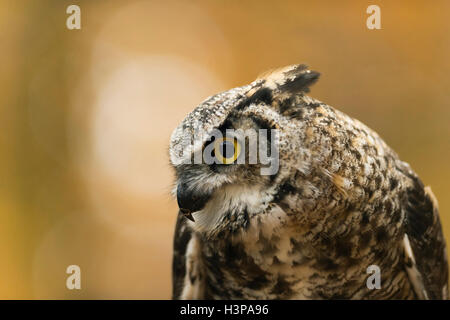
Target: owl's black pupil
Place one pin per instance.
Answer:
(227, 149)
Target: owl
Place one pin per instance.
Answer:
(282, 196)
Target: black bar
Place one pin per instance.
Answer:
(280, 309)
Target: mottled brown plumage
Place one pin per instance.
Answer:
(342, 200)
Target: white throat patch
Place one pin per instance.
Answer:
(230, 199)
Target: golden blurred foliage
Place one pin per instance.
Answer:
(86, 117)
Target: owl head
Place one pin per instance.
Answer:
(232, 150)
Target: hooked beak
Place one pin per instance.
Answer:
(190, 201)
(187, 214)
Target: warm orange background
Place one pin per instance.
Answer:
(86, 116)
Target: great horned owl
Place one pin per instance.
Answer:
(340, 201)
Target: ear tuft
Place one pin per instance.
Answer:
(292, 79)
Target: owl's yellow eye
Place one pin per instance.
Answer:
(227, 150)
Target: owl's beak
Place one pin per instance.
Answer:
(187, 214)
(190, 201)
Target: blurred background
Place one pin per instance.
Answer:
(86, 117)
